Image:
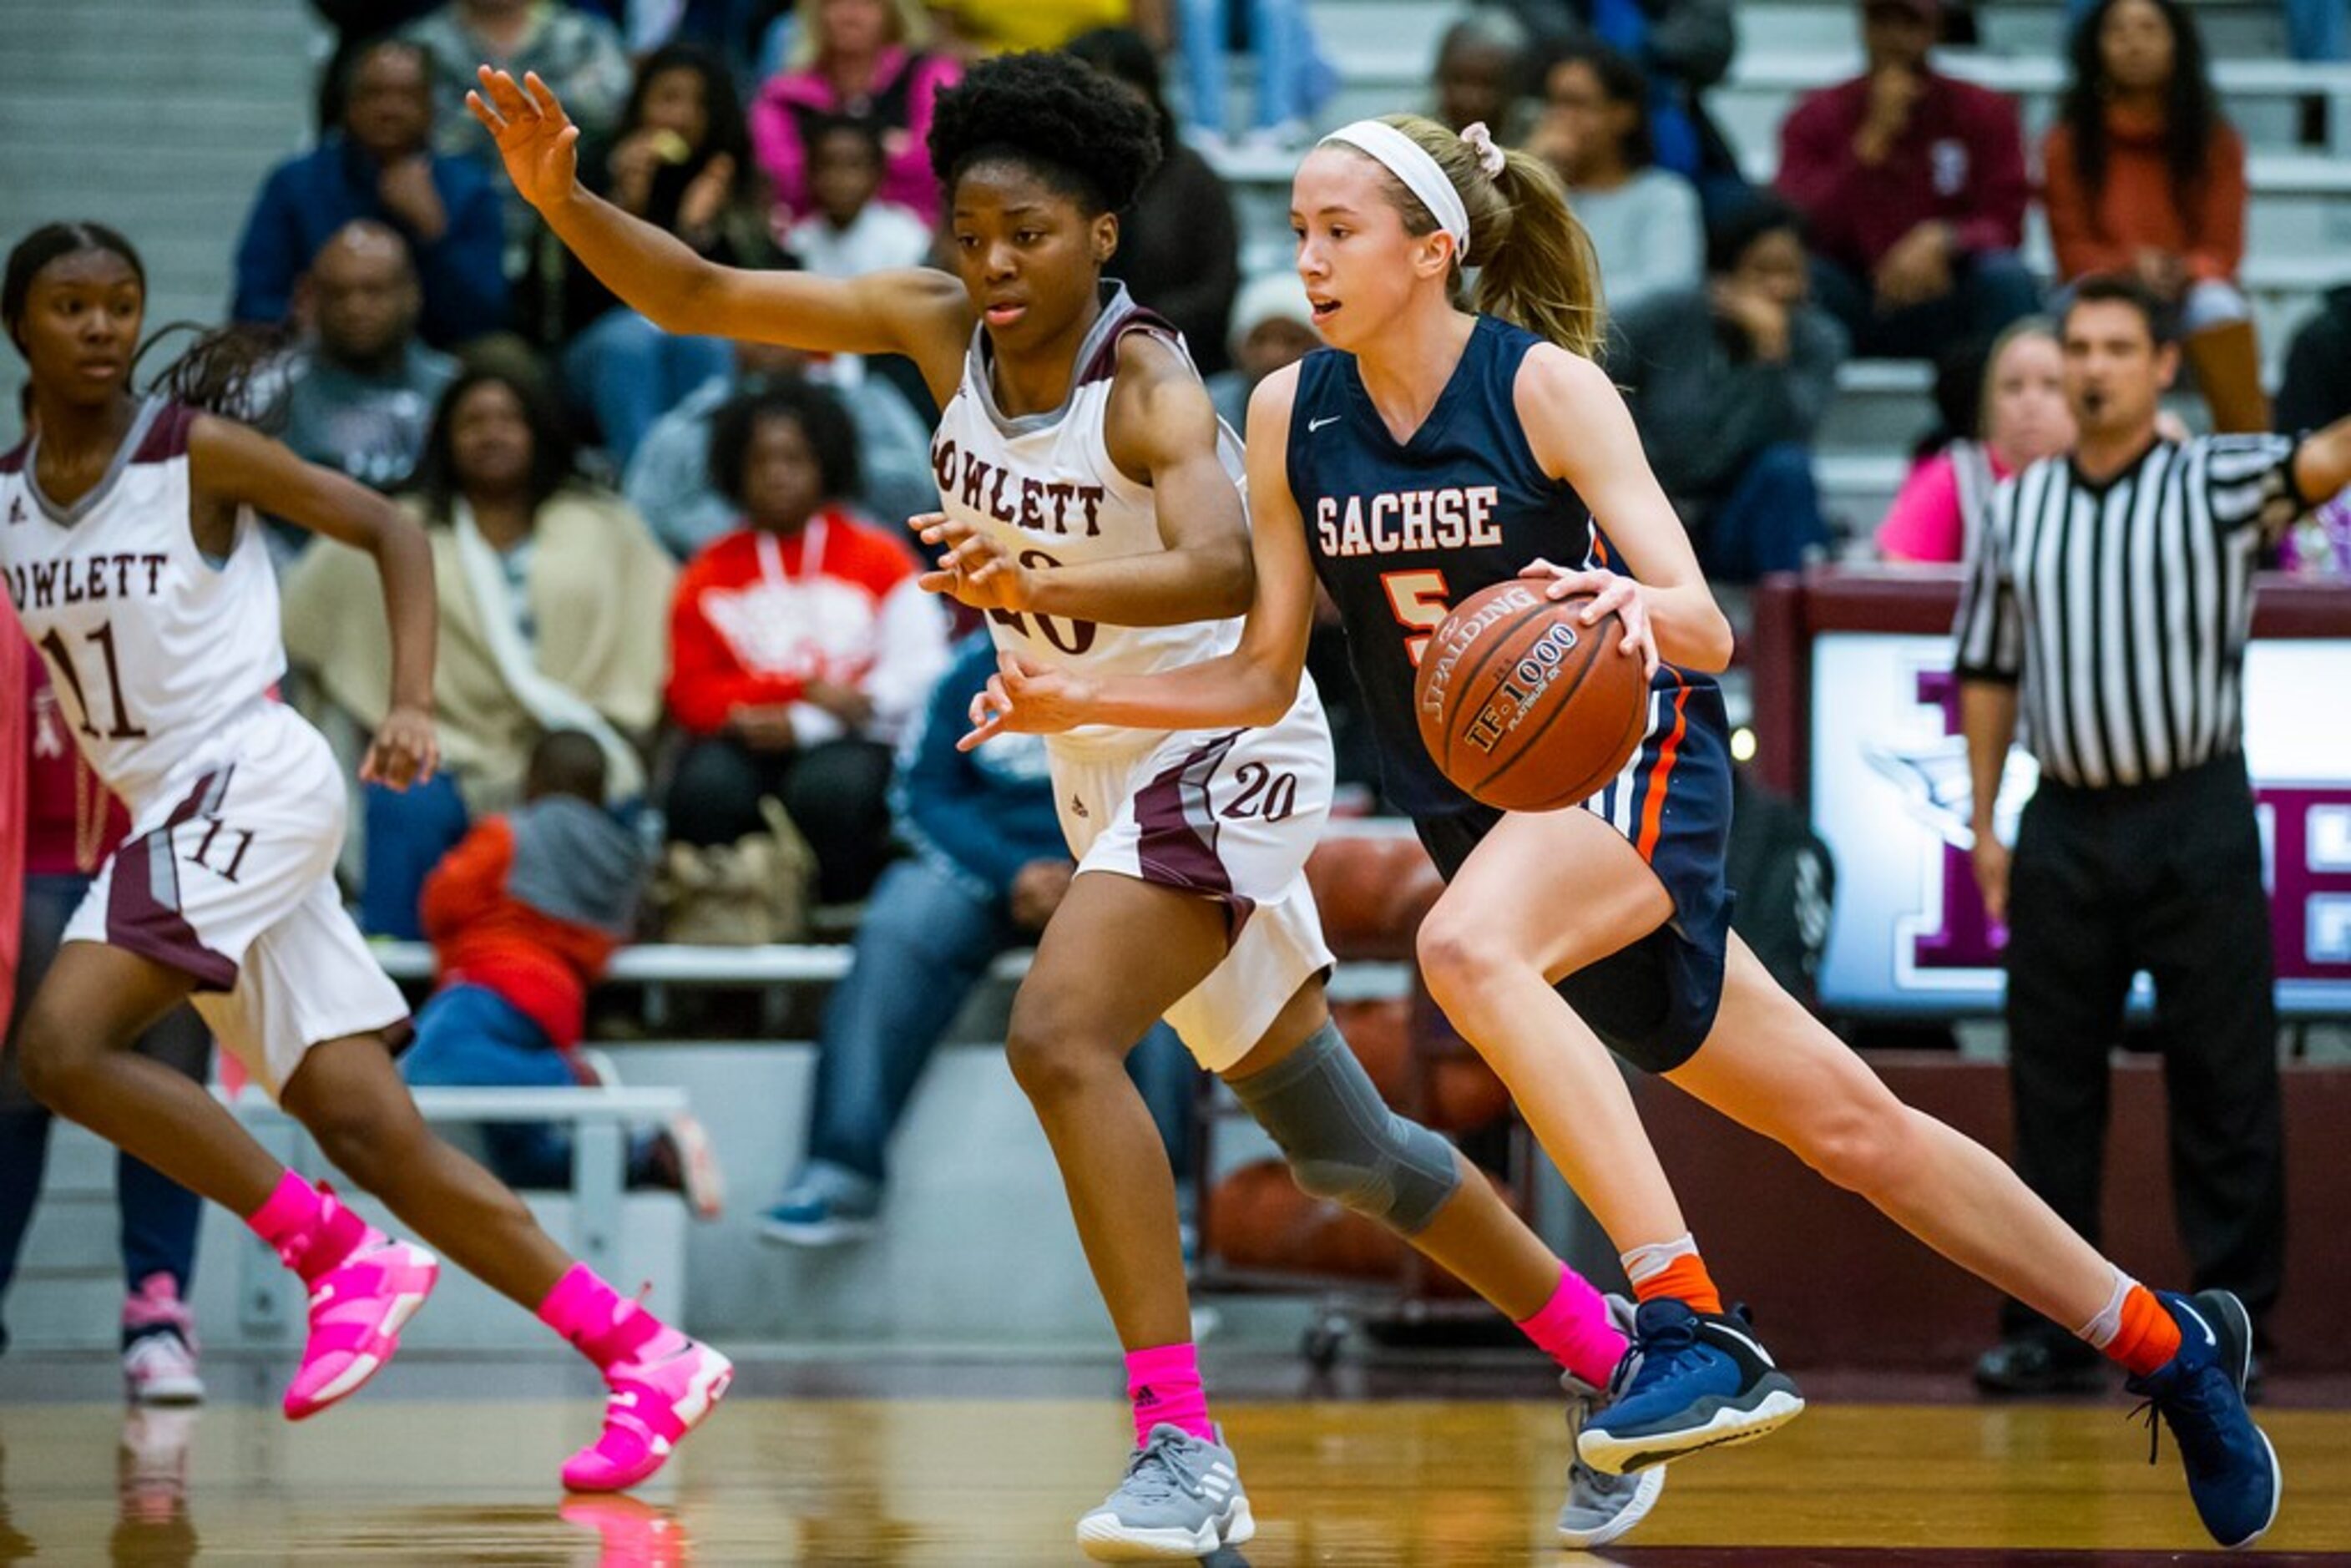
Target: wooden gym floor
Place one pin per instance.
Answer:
(452, 1461)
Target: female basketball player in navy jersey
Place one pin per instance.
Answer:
(129, 543)
(1501, 422)
(1076, 431)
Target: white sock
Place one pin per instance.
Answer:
(1645, 1263)
(2100, 1330)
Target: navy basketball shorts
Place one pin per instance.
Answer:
(1653, 1002)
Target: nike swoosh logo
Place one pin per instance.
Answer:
(1314, 424)
(1727, 1331)
(2209, 1337)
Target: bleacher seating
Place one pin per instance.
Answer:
(2299, 231)
(159, 120)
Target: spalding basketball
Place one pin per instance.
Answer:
(1523, 705)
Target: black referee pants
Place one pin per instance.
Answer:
(2166, 878)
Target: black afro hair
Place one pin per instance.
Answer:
(830, 434)
(1079, 131)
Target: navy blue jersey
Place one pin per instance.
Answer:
(1400, 533)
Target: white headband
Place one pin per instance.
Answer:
(1405, 159)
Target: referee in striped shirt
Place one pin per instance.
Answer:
(2108, 602)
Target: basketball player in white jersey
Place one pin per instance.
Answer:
(132, 554)
(1076, 431)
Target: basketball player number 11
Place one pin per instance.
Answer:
(1421, 603)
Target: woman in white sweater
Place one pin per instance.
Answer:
(1644, 220)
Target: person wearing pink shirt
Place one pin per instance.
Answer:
(2019, 418)
(858, 59)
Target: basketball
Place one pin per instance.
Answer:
(1524, 706)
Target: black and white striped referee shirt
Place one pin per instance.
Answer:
(2124, 607)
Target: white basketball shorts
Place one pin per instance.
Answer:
(228, 875)
(1229, 815)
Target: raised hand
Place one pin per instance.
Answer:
(536, 138)
(706, 198)
(406, 187)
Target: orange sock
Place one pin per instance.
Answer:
(1685, 1280)
(2148, 1337)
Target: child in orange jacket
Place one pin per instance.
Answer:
(524, 915)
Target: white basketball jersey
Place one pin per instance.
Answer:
(152, 646)
(1044, 485)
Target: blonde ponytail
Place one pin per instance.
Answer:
(1535, 267)
(1541, 271)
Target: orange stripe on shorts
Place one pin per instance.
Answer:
(1653, 809)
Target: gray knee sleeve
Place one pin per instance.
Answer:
(1342, 1140)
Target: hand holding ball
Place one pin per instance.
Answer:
(1524, 706)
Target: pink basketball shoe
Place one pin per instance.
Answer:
(653, 1404)
(357, 1311)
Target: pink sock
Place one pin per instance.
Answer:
(311, 1230)
(1573, 1330)
(1164, 1382)
(603, 1324)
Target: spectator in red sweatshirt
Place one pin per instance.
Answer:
(1913, 185)
(799, 644)
(524, 915)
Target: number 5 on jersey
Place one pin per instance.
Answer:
(1420, 601)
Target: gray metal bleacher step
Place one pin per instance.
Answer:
(158, 119)
(816, 963)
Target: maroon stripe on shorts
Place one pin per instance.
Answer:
(1177, 845)
(142, 905)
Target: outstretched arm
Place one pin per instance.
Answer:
(1581, 431)
(235, 467)
(1253, 685)
(920, 313)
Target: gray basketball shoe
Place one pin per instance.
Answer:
(1599, 1507)
(1182, 1498)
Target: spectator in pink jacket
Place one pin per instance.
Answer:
(2013, 415)
(858, 59)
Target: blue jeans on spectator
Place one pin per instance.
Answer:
(628, 372)
(1767, 522)
(408, 831)
(159, 1216)
(925, 942)
(1988, 289)
(1289, 72)
(2315, 29)
(471, 1036)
